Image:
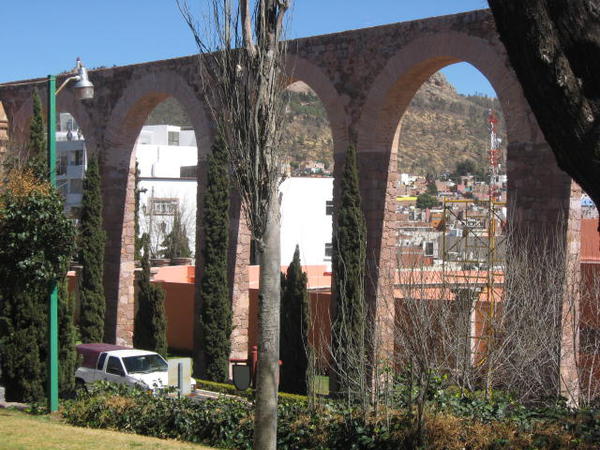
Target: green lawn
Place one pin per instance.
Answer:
(19, 430)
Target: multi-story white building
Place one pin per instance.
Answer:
(167, 156)
(306, 219)
(71, 162)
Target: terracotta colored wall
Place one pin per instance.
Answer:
(179, 307)
(320, 332)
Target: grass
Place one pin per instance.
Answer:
(23, 431)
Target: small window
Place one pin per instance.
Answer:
(328, 250)
(188, 171)
(173, 137)
(101, 360)
(77, 158)
(329, 207)
(114, 366)
(429, 249)
(61, 164)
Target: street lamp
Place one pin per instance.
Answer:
(84, 90)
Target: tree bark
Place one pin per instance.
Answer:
(554, 48)
(265, 419)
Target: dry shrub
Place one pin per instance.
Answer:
(119, 404)
(23, 183)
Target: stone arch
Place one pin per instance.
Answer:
(20, 118)
(141, 95)
(396, 85)
(538, 191)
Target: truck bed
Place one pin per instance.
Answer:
(90, 352)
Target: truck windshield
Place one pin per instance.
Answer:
(145, 364)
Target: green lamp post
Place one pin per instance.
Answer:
(83, 89)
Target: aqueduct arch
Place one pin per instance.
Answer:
(139, 97)
(365, 79)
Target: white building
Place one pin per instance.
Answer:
(167, 156)
(306, 219)
(71, 162)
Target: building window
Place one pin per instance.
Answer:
(76, 186)
(188, 171)
(328, 250)
(163, 206)
(429, 249)
(61, 164)
(329, 207)
(77, 158)
(173, 137)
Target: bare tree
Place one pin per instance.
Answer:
(242, 67)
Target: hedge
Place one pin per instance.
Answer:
(228, 423)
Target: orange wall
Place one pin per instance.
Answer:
(320, 333)
(179, 307)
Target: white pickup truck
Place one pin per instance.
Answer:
(123, 365)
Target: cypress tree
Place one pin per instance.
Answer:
(211, 357)
(67, 338)
(23, 329)
(348, 264)
(150, 326)
(91, 256)
(295, 320)
(38, 159)
(176, 244)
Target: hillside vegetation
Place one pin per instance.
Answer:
(439, 129)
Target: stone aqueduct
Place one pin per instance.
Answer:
(365, 79)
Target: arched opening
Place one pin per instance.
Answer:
(452, 184)
(166, 155)
(307, 192)
(71, 162)
(123, 133)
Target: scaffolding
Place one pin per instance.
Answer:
(478, 251)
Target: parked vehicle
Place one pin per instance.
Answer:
(122, 365)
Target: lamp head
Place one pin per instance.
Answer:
(83, 88)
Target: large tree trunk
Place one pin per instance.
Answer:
(265, 419)
(554, 48)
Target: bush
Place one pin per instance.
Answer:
(228, 423)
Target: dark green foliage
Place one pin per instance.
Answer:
(214, 346)
(150, 326)
(91, 255)
(23, 330)
(295, 322)
(36, 243)
(38, 158)
(348, 263)
(176, 243)
(426, 201)
(227, 422)
(67, 338)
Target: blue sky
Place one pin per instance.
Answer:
(39, 37)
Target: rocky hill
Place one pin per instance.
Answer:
(440, 128)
